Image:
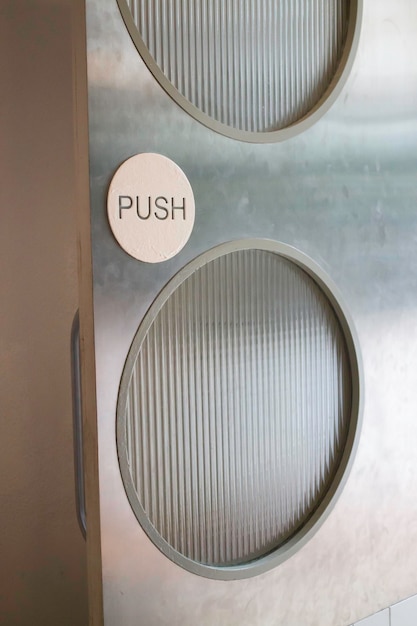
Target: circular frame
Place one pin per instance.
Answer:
(325, 102)
(325, 505)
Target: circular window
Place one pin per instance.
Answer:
(238, 409)
(258, 70)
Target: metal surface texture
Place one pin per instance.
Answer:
(344, 193)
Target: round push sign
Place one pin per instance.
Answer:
(151, 207)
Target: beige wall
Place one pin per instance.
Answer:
(42, 552)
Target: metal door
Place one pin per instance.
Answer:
(295, 124)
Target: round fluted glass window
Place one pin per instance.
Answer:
(238, 409)
(258, 70)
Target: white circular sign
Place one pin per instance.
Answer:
(151, 207)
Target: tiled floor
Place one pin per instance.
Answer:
(379, 619)
(402, 614)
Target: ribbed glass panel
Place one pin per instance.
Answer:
(238, 408)
(254, 65)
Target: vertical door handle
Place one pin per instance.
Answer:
(78, 424)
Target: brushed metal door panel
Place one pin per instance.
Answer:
(344, 193)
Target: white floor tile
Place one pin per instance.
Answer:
(404, 613)
(379, 619)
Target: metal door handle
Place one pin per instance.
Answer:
(78, 424)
